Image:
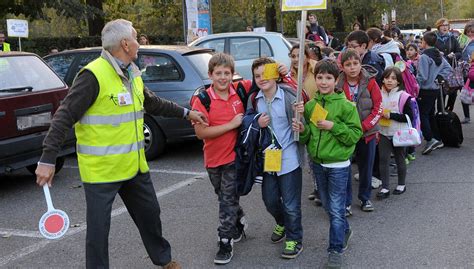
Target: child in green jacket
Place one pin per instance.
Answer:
(330, 142)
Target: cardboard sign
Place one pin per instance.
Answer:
(272, 162)
(54, 223)
(270, 71)
(319, 113)
(383, 121)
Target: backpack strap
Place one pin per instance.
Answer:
(403, 99)
(205, 99)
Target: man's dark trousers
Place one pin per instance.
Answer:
(140, 199)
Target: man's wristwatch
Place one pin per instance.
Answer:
(187, 114)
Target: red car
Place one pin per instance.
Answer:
(30, 93)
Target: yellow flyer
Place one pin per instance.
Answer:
(270, 71)
(272, 162)
(319, 113)
(383, 121)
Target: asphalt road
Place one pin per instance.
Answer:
(429, 226)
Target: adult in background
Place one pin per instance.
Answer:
(317, 29)
(395, 29)
(468, 56)
(111, 157)
(4, 46)
(356, 26)
(448, 44)
(143, 40)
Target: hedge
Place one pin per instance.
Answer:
(41, 45)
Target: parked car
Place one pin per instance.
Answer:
(245, 47)
(30, 93)
(171, 72)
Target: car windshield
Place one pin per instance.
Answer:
(200, 62)
(19, 74)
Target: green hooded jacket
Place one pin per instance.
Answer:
(337, 144)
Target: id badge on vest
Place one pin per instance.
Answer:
(124, 99)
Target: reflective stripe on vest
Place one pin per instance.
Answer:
(6, 46)
(108, 150)
(111, 119)
(110, 140)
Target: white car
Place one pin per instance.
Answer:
(245, 47)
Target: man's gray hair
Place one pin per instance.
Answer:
(114, 32)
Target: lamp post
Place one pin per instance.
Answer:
(442, 11)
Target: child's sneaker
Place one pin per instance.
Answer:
(366, 206)
(407, 161)
(348, 211)
(376, 183)
(241, 226)
(278, 233)
(292, 249)
(225, 253)
(411, 156)
(334, 260)
(312, 195)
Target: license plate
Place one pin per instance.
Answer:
(31, 121)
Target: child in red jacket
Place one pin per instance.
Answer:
(360, 87)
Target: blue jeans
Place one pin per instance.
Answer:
(332, 184)
(282, 198)
(365, 157)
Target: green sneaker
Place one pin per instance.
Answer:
(292, 249)
(411, 157)
(347, 237)
(407, 161)
(278, 233)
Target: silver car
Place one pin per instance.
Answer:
(245, 47)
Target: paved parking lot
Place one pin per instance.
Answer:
(430, 226)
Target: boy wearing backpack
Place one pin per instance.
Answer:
(430, 65)
(361, 88)
(331, 143)
(359, 40)
(223, 106)
(281, 190)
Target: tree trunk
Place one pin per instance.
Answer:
(338, 18)
(270, 17)
(95, 23)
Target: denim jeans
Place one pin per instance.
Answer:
(426, 101)
(365, 156)
(282, 198)
(332, 185)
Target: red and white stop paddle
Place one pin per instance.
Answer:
(54, 223)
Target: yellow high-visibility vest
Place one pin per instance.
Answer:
(6, 46)
(110, 140)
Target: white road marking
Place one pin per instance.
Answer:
(23, 233)
(166, 171)
(72, 231)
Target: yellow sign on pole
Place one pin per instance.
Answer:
(292, 5)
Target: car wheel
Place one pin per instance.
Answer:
(59, 166)
(154, 139)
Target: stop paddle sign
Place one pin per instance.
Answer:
(54, 223)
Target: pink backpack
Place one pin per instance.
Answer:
(408, 75)
(414, 108)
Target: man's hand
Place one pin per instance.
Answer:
(44, 174)
(198, 117)
(325, 125)
(264, 120)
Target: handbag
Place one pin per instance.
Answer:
(455, 79)
(467, 94)
(406, 137)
